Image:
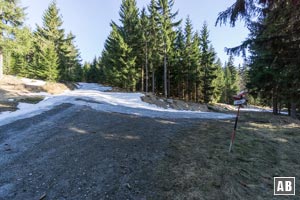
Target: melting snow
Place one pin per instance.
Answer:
(33, 82)
(96, 97)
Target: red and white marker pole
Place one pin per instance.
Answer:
(238, 100)
(234, 129)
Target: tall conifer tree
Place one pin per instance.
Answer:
(168, 34)
(207, 63)
(11, 19)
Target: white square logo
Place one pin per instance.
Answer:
(284, 185)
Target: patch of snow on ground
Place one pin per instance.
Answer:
(94, 96)
(33, 82)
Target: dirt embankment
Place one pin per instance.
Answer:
(173, 103)
(14, 90)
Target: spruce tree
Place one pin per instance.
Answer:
(11, 19)
(178, 70)
(21, 54)
(208, 68)
(45, 60)
(274, 46)
(191, 56)
(131, 32)
(68, 55)
(218, 83)
(145, 50)
(119, 65)
(71, 60)
(155, 43)
(231, 81)
(93, 71)
(166, 23)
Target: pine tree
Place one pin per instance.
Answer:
(68, 55)
(218, 83)
(71, 60)
(85, 70)
(155, 43)
(191, 56)
(11, 19)
(119, 65)
(166, 23)
(226, 94)
(145, 50)
(21, 54)
(131, 33)
(274, 46)
(231, 81)
(93, 71)
(207, 61)
(45, 60)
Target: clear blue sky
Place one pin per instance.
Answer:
(89, 21)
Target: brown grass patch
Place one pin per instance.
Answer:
(199, 166)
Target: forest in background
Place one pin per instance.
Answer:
(150, 51)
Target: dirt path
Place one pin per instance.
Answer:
(74, 152)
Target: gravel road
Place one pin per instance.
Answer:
(75, 152)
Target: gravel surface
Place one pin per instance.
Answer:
(75, 152)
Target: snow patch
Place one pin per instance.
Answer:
(94, 96)
(33, 82)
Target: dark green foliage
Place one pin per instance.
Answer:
(118, 62)
(91, 71)
(191, 63)
(146, 52)
(274, 46)
(208, 67)
(11, 21)
(231, 82)
(68, 55)
(155, 44)
(166, 24)
(219, 82)
(47, 54)
(45, 60)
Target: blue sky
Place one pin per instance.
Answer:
(89, 20)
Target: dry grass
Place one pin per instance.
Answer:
(14, 90)
(199, 166)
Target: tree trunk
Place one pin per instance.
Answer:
(146, 68)
(169, 83)
(289, 109)
(1, 64)
(142, 81)
(293, 110)
(165, 71)
(153, 81)
(275, 102)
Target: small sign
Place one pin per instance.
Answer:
(284, 185)
(239, 102)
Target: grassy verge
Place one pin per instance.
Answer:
(198, 165)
